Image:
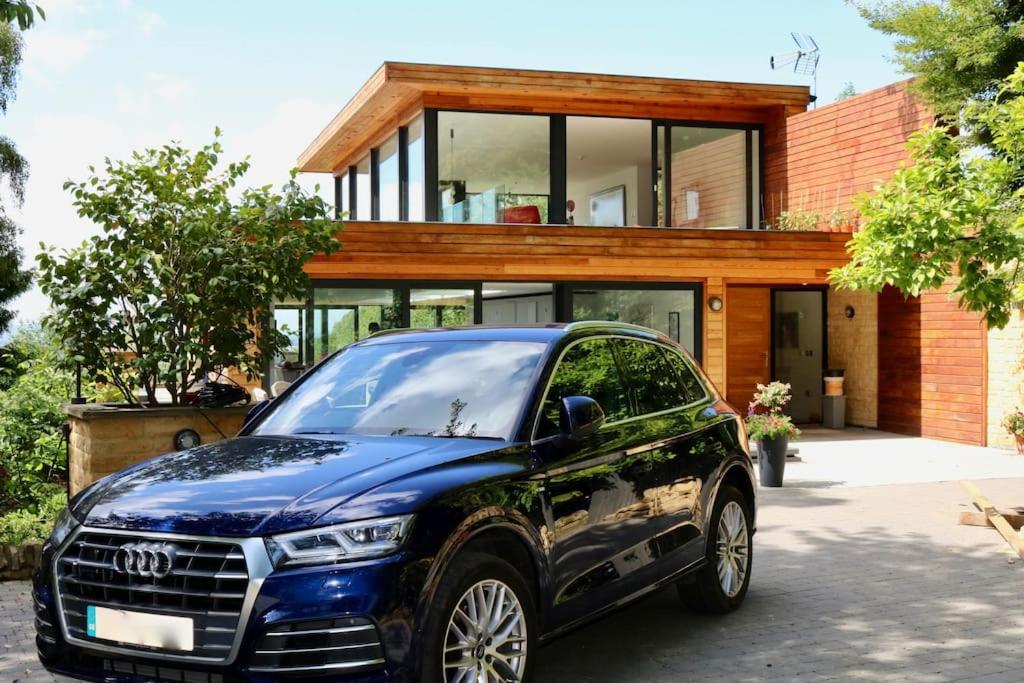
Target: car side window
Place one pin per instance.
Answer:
(692, 386)
(586, 369)
(654, 381)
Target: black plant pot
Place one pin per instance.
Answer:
(771, 460)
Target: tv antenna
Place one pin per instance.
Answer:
(804, 60)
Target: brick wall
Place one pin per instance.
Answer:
(1005, 377)
(853, 346)
(820, 159)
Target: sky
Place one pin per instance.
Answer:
(101, 78)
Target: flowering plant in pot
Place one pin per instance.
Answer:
(772, 429)
(1014, 424)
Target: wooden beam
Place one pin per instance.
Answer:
(994, 516)
(968, 518)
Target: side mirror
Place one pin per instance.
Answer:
(579, 417)
(256, 409)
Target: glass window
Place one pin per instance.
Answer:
(608, 171)
(654, 381)
(342, 316)
(289, 319)
(587, 369)
(441, 388)
(688, 378)
(707, 171)
(388, 170)
(670, 311)
(417, 196)
(364, 200)
(346, 196)
(440, 307)
(493, 168)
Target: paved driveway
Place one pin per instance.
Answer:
(850, 583)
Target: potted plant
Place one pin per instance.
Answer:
(772, 429)
(1014, 424)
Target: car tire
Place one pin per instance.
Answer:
(485, 577)
(720, 585)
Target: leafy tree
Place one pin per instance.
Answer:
(20, 11)
(846, 92)
(13, 166)
(947, 214)
(179, 280)
(959, 50)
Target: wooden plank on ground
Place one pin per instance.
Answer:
(968, 518)
(998, 521)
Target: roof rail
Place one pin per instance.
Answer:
(587, 324)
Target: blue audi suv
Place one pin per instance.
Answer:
(421, 506)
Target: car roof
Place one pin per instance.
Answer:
(540, 332)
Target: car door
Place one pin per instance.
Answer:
(583, 489)
(674, 457)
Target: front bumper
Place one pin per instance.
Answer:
(382, 594)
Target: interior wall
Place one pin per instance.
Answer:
(519, 310)
(853, 346)
(717, 172)
(638, 205)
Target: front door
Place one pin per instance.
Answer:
(799, 349)
(748, 341)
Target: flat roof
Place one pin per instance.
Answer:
(397, 91)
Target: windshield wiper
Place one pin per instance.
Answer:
(317, 431)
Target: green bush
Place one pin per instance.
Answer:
(33, 524)
(32, 455)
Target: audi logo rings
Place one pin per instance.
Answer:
(145, 559)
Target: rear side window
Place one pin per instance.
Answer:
(654, 380)
(587, 369)
(692, 386)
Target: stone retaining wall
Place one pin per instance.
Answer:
(106, 438)
(19, 561)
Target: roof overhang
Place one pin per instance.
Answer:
(398, 91)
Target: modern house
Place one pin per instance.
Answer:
(480, 195)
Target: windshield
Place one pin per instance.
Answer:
(432, 388)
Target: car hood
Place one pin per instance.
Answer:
(258, 484)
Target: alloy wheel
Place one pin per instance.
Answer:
(486, 637)
(733, 549)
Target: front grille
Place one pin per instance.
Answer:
(350, 644)
(207, 582)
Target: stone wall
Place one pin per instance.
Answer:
(105, 439)
(853, 345)
(1005, 377)
(19, 561)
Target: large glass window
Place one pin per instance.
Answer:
(344, 190)
(440, 388)
(670, 311)
(388, 174)
(608, 171)
(440, 307)
(493, 168)
(342, 316)
(289, 319)
(708, 171)
(587, 369)
(511, 303)
(417, 197)
(364, 200)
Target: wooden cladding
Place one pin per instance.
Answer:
(931, 374)
(444, 251)
(820, 160)
(748, 343)
(397, 92)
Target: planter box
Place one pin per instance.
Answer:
(19, 561)
(106, 438)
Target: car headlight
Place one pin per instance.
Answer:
(64, 525)
(339, 542)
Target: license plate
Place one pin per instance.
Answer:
(139, 628)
